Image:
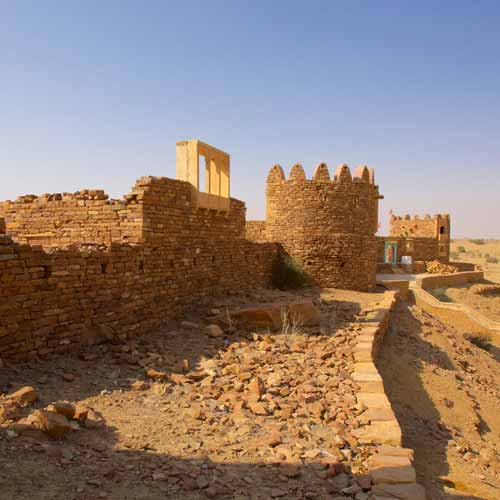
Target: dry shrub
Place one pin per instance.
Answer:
(291, 324)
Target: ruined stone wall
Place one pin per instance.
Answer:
(55, 299)
(62, 219)
(327, 225)
(255, 230)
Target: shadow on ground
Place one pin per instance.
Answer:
(401, 361)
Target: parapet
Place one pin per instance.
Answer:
(190, 155)
(416, 217)
(362, 174)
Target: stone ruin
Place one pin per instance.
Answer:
(80, 266)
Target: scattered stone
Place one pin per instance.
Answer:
(9, 411)
(256, 388)
(81, 413)
(139, 385)
(63, 408)
(202, 482)
(189, 325)
(24, 396)
(338, 483)
(53, 424)
(289, 470)
(257, 408)
(214, 331)
(155, 374)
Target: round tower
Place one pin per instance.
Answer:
(327, 225)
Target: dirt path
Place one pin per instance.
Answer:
(445, 393)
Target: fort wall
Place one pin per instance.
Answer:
(255, 230)
(61, 219)
(116, 272)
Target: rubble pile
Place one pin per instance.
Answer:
(436, 267)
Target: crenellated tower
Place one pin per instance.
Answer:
(327, 225)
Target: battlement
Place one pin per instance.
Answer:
(437, 226)
(342, 175)
(416, 217)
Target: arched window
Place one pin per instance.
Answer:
(442, 230)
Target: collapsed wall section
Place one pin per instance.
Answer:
(327, 225)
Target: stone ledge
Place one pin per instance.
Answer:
(391, 467)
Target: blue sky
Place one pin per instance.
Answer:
(94, 94)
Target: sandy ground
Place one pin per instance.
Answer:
(445, 393)
(488, 306)
(476, 254)
(198, 433)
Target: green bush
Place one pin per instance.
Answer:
(492, 260)
(477, 241)
(440, 294)
(288, 274)
(461, 249)
(481, 341)
(454, 255)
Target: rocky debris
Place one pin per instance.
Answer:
(81, 414)
(9, 410)
(54, 424)
(271, 413)
(24, 396)
(156, 374)
(62, 408)
(69, 377)
(214, 331)
(436, 267)
(139, 385)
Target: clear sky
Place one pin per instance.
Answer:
(95, 93)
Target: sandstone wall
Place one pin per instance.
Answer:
(61, 219)
(327, 225)
(255, 230)
(55, 299)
